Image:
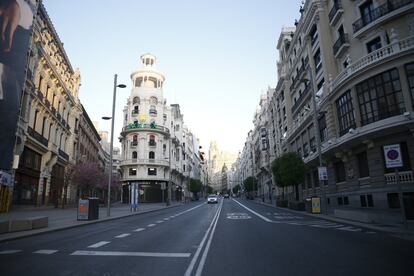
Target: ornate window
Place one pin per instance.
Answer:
(380, 97)
(152, 171)
(152, 142)
(151, 155)
(345, 113)
(134, 155)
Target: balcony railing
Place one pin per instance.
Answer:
(404, 177)
(152, 143)
(388, 7)
(40, 95)
(375, 56)
(337, 6)
(53, 110)
(134, 143)
(160, 162)
(37, 136)
(63, 154)
(342, 40)
(300, 99)
(145, 126)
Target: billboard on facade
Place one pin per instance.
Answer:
(16, 20)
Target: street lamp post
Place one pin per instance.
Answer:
(108, 208)
(316, 124)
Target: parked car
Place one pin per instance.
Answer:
(212, 199)
(226, 196)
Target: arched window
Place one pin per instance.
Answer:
(134, 155)
(151, 155)
(136, 100)
(153, 100)
(138, 82)
(135, 138)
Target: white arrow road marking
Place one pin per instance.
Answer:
(9, 251)
(122, 236)
(99, 244)
(132, 254)
(45, 251)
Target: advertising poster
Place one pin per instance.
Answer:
(16, 20)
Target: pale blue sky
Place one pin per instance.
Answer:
(218, 56)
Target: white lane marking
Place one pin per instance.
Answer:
(203, 258)
(257, 214)
(167, 219)
(160, 221)
(9, 251)
(151, 225)
(200, 246)
(132, 254)
(99, 244)
(139, 229)
(122, 235)
(45, 251)
(349, 228)
(326, 226)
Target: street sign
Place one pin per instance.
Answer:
(323, 173)
(392, 154)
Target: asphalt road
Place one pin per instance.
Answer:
(234, 237)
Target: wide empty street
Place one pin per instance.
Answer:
(233, 237)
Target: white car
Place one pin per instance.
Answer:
(212, 199)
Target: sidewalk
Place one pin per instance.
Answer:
(396, 230)
(67, 218)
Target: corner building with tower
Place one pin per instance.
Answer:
(153, 137)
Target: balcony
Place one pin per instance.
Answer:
(379, 12)
(336, 12)
(134, 143)
(151, 127)
(389, 51)
(63, 154)
(134, 113)
(300, 101)
(152, 143)
(37, 136)
(40, 95)
(404, 177)
(341, 45)
(152, 162)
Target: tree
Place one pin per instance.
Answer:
(288, 170)
(87, 177)
(209, 190)
(195, 186)
(248, 184)
(236, 189)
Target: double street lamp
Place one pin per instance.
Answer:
(108, 208)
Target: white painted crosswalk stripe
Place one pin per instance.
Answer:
(139, 229)
(99, 244)
(122, 235)
(151, 225)
(160, 221)
(45, 251)
(4, 252)
(349, 228)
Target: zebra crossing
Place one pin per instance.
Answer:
(292, 219)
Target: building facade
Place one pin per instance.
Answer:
(49, 112)
(355, 59)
